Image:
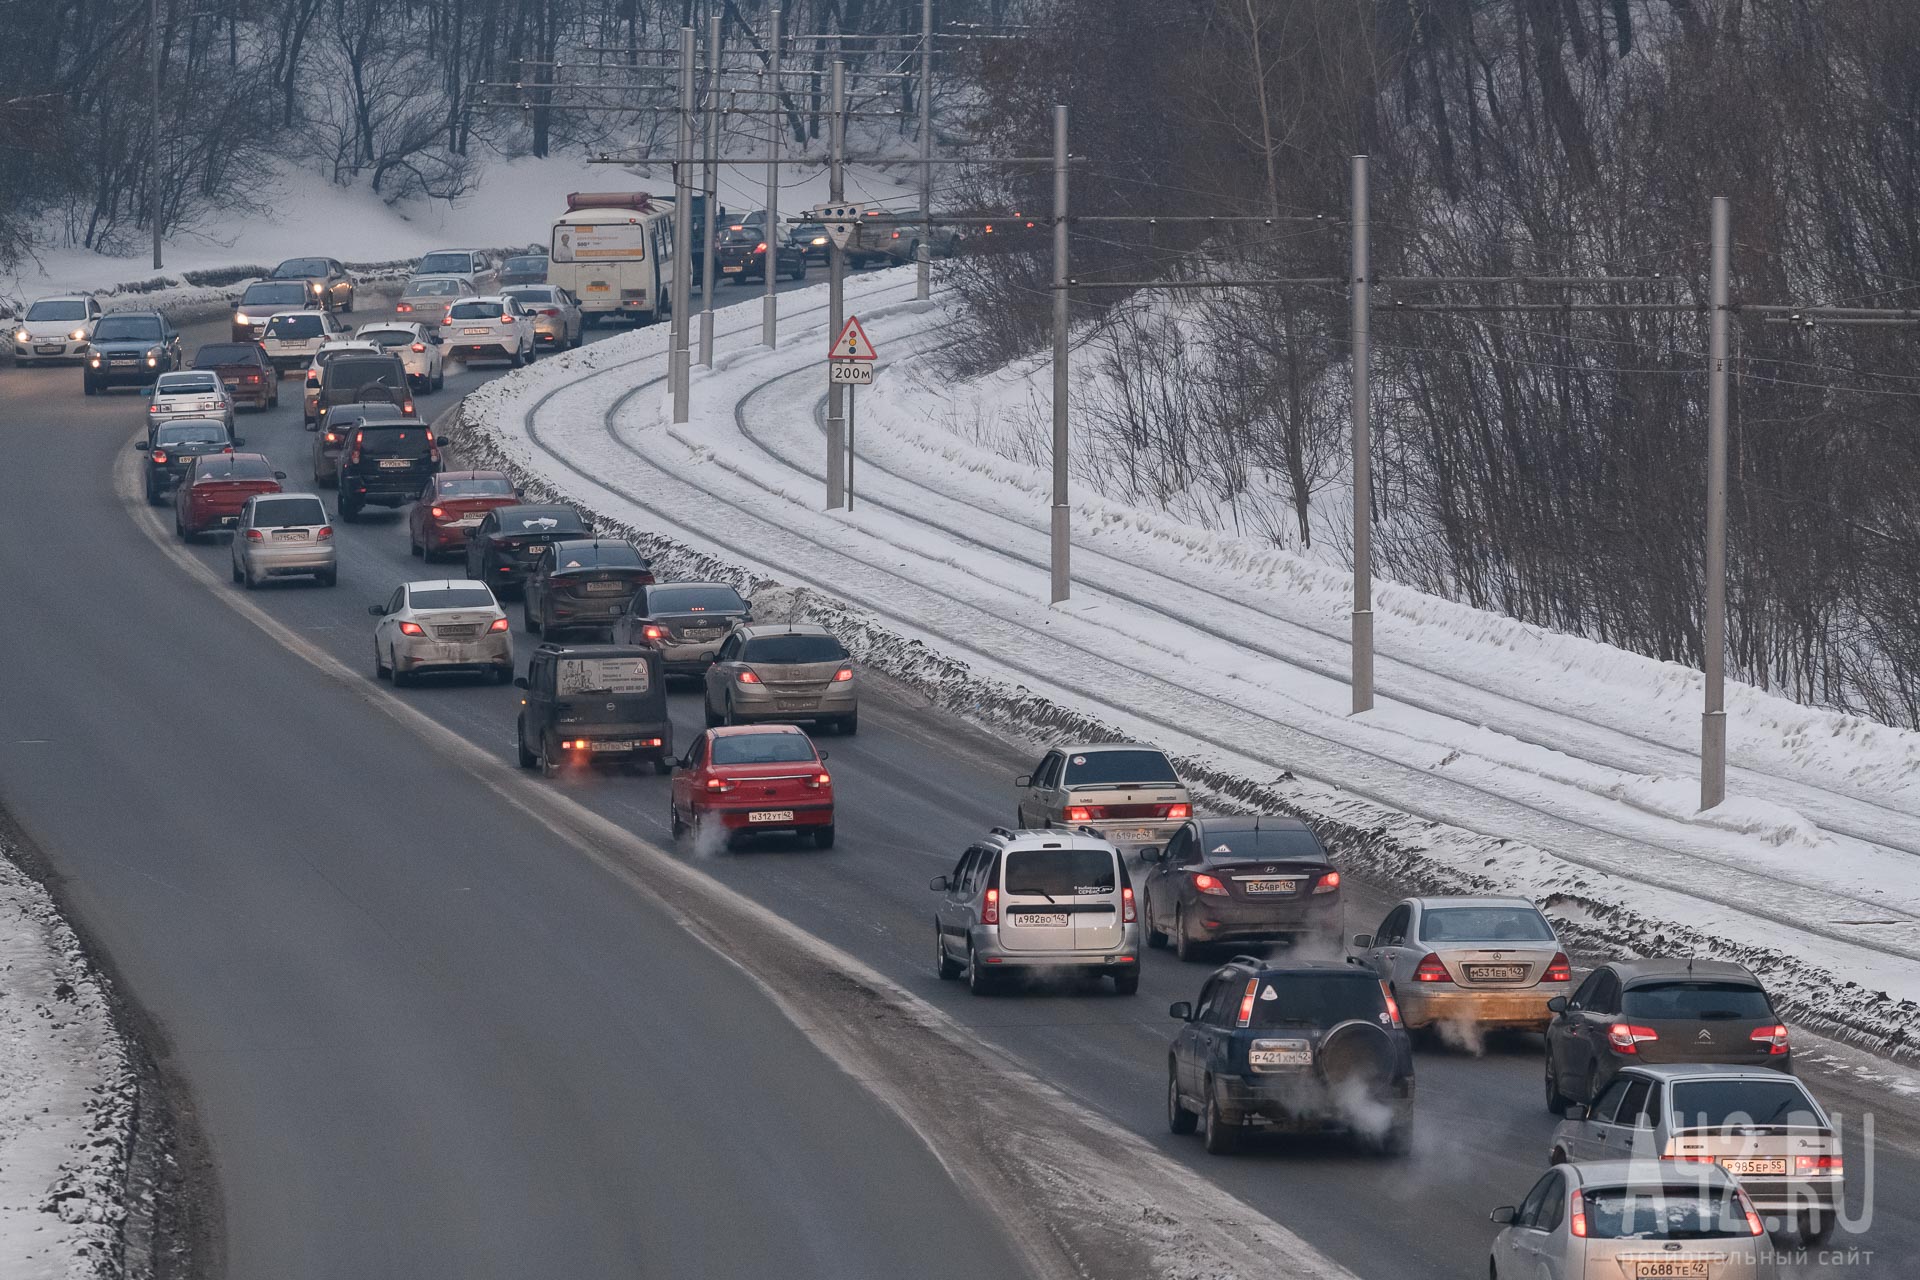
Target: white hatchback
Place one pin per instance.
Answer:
(292, 337)
(56, 328)
(446, 624)
(193, 393)
(417, 346)
(491, 328)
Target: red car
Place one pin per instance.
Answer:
(216, 486)
(752, 779)
(451, 507)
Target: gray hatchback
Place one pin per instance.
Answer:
(781, 674)
(281, 535)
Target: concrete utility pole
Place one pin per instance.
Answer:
(712, 187)
(153, 159)
(837, 287)
(770, 304)
(1362, 452)
(1713, 721)
(1062, 527)
(678, 372)
(922, 281)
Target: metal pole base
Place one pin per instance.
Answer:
(1362, 660)
(678, 374)
(1062, 553)
(706, 339)
(1713, 759)
(769, 322)
(836, 463)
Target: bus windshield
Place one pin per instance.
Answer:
(624, 241)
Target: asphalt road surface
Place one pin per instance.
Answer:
(426, 1041)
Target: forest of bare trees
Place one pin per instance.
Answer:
(1547, 463)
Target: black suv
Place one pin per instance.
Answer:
(131, 348)
(505, 548)
(583, 585)
(1297, 1048)
(740, 250)
(385, 464)
(329, 445)
(594, 704)
(362, 378)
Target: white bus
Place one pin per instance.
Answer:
(613, 250)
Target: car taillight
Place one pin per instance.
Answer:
(1559, 969)
(896, 235)
(654, 633)
(159, 455)
(325, 534)
(1775, 1036)
(747, 677)
(439, 513)
(506, 319)
(1127, 913)
(844, 673)
(990, 909)
(407, 409)
(357, 437)
(153, 408)
(1209, 884)
(412, 629)
(819, 780)
(419, 347)
(333, 437)
(1246, 1003)
(1393, 1006)
(1579, 1216)
(1079, 813)
(1755, 1227)
(1683, 1157)
(405, 306)
(1329, 882)
(1431, 970)
(499, 624)
(549, 311)
(1830, 1165)
(720, 784)
(1627, 1039)
(1179, 811)
(254, 535)
(760, 248)
(250, 377)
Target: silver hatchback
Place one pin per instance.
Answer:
(1631, 1220)
(282, 535)
(781, 674)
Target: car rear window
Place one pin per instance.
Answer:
(273, 293)
(388, 337)
(453, 264)
(269, 512)
(1697, 1001)
(780, 649)
(239, 466)
(533, 295)
(1232, 846)
(762, 748)
(1318, 999)
(534, 262)
(693, 599)
(496, 487)
(181, 384)
(606, 555)
(57, 311)
(297, 267)
(474, 310)
(300, 327)
(540, 520)
(1484, 924)
(1714, 1104)
(219, 353)
(1117, 768)
(378, 440)
(602, 675)
(434, 288)
(348, 373)
(127, 329)
(1060, 872)
(190, 433)
(1679, 1212)
(450, 598)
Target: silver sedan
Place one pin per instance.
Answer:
(447, 624)
(281, 535)
(1467, 963)
(557, 319)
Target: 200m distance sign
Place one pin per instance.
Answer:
(849, 374)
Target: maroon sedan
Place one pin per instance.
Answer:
(245, 371)
(451, 507)
(216, 486)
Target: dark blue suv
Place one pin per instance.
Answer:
(1295, 1048)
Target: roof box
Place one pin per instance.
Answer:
(639, 201)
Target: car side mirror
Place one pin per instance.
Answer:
(279, 475)
(1181, 1009)
(377, 610)
(141, 446)
(1504, 1215)
(519, 682)
(1557, 1005)
(1149, 856)
(1024, 780)
(1361, 941)
(938, 884)
(1576, 1111)
(240, 440)
(823, 757)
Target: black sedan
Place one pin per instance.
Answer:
(1240, 880)
(741, 254)
(506, 546)
(174, 446)
(813, 242)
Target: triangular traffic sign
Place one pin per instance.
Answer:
(840, 220)
(852, 344)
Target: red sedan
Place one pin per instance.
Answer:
(745, 779)
(216, 486)
(451, 508)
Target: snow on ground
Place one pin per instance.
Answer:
(66, 1097)
(1501, 757)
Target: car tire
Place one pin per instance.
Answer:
(401, 679)
(1222, 1138)
(348, 511)
(1557, 1102)
(380, 671)
(516, 359)
(415, 549)
(237, 575)
(1183, 944)
(153, 496)
(331, 578)
(727, 717)
(440, 378)
(1179, 1120)
(1155, 938)
(674, 823)
(977, 980)
(549, 757)
(1556, 1156)
(823, 837)
(247, 578)
(527, 758)
(849, 725)
(712, 717)
(1126, 982)
(89, 386)
(663, 765)
(944, 965)
(503, 675)
(1398, 1139)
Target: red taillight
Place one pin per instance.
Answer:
(989, 228)
(333, 437)
(655, 633)
(720, 784)
(1209, 884)
(990, 909)
(1246, 1003)
(419, 347)
(1755, 1227)
(1329, 882)
(747, 677)
(407, 409)
(1079, 813)
(1775, 1036)
(1834, 1165)
(499, 624)
(251, 377)
(439, 513)
(1685, 1158)
(405, 306)
(1431, 970)
(844, 673)
(1127, 914)
(1579, 1207)
(1393, 1006)
(1179, 811)
(159, 455)
(254, 535)
(228, 449)
(549, 311)
(506, 319)
(325, 534)
(896, 235)
(819, 780)
(412, 629)
(761, 247)
(1559, 969)
(1627, 1039)
(356, 445)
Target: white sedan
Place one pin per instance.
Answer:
(447, 624)
(417, 346)
(194, 393)
(495, 328)
(56, 328)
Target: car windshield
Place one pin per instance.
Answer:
(1697, 1001)
(450, 598)
(1236, 846)
(409, 441)
(474, 310)
(237, 466)
(562, 521)
(762, 748)
(1484, 924)
(1058, 873)
(527, 265)
(181, 384)
(434, 288)
(1118, 768)
(675, 599)
(273, 294)
(483, 487)
(218, 353)
(1716, 1104)
(178, 433)
(127, 329)
(808, 230)
(297, 327)
(1677, 1212)
(1318, 999)
(451, 263)
(57, 311)
(271, 513)
(779, 649)
(298, 268)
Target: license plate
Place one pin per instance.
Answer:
(702, 633)
(729, 270)
(232, 519)
(794, 704)
(395, 464)
(1496, 972)
(596, 288)
(1666, 1267)
(1270, 886)
(289, 535)
(1137, 833)
(605, 588)
(466, 522)
(476, 331)
(124, 360)
(1293, 1056)
(50, 348)
(1754, 1168)
(770, 815)
(1043, 919)
(613, 746)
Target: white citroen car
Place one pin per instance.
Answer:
(493, 328)
(56, 328)
(446, 624)
(417, 346)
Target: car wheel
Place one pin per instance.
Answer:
(88, 386)
(1556, 1101)
(153, 496)
(549, 756)
(246, 576)
(977, 980)
(516, 359)
(526, 757)
(943, 964)
(415, 549)
(848, 725)
(713, 717)
(380, 671)
(823, 837)
(331, 578)
(503, 675)
(1183, 944)
(237, 576)
(1126, 982)
(1222, 1137)
(729, 717)
(1179, 1119)
(674, 823)
(1398, 1139)
(1557, 1156)
(1155, 938)
(662, 765)
(400, 678)
(349, 512)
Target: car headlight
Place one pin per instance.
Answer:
(21, 335)
(78, 335)
(241, 317)
(153, 356)
(95, 362)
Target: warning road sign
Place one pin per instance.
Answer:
(852, 344)
(840, 220)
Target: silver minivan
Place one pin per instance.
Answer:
(1037, 900)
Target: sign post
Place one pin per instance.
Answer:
(850, 364)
